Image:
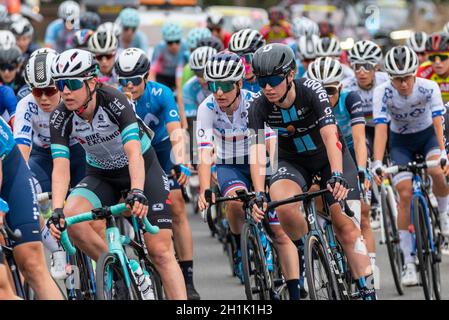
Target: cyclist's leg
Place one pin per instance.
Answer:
(18, 191)
(160, 246)
(6, 292)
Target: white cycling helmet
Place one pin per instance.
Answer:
(74, 64)
(365, 51)
(69, 11)
(224, 66)
(200, 56)
(326, 70)
(400, 61)
(417, 41)
(240, 23)
(115, 28)
(21, 26)
(132, 62)
(303, 26)
(38, 68)
(43, 51)
(328, 47)
(7, 39)
(307, 47)
(446, 27)
(102, 42)
(215, 20)
(246, 41)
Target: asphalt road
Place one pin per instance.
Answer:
(214, 281)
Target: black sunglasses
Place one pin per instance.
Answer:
(8, 66)
(129, 28)
(443, 57)
(173, 42)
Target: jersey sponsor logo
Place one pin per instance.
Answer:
(151, 118)
(158, 207)
(82, 128)
(173, 113)
(32, 107)
(116, 107)
(210, 105)
(96, 138)
(318, 88)
(164, 220)
(57, 119)
(156, 92)
(103, 126)
(26, 129)
(201, 133)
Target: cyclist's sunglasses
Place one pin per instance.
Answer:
(332, 90)
(8, 66)
(39, 92)
(129, 28)
(367, 66)
(71, 84)
(442, 56)
(225, 86)
(273, 81)
(400, 79)
(108, 56)
(135, 81)
(173, 42)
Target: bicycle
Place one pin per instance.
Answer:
(114, 276)
(327, 270)
(425, 226)
(260, 282)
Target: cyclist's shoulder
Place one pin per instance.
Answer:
(57, 24)
(192, 85)
(26, 101)
(425, 83)
(383, 87)
(157, 90)
(208, 104)
(350, 83)
(381, 77)
(425, 70)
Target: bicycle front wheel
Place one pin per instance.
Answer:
(423, 248)
(320, 278)
(111, 283)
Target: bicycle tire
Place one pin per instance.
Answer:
(253, 264)
(109, 265)
(314, 251)
(423, 249)
(392, 241)
(436, 257)
(87, 277)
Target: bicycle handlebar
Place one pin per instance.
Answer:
(412, 166)
(6, 231)
(98, 214)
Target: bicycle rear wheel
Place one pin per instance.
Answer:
(255, 272)
(423, 248)
(111, 283)
(320, 278)
(436, 254)
(392, 239)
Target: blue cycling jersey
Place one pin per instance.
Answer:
(157, 107)
(57, 36)
(8, 102)
(165, 63)
(7, 142)
(193, 93)
(251, 86)
(348, 112)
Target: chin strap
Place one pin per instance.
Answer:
(83, 108)
(289, 86)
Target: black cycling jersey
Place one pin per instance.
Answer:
(298, 127)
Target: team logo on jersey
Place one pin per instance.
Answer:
(116, 107)
(156, 92)
(57, 119)
(201, 133)
(158, 207)
(173, 113)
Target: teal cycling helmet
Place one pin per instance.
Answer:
(195, 35)
(129, 18)
(171, 32)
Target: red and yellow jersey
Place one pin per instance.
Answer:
(271, 37)
(426, 71)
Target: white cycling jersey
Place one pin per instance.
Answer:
(230, 136)
(32, 125)
(409, 114)
(350, 84)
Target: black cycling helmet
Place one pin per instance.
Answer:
(437, 42)
(212, 42)
(273, 59)
(11, 55)
(90, 20)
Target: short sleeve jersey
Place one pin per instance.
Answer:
(193, 93)
(8, 103)
(113, 125)
(298, 127)
(409, 114)
(6, 139)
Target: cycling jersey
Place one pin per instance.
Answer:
(230, 136)
(57, 36)
(251, 86)
(114, 124)
(271, 37)
(165, 63)
(409, 114)
(193, 93)
(111, 79)
(187, 74)
(32, 124)
(157, 107)
(139, 41)
(298, 127)
(426, 71)
(8, 103)
(348, 112)
(351, 84)
(7, 142)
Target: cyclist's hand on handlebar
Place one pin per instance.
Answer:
(259, 206)
(184, 174)
(444, 162)
(338, 185)
(377, 170)
(4, 209)
(137, 200)
(56, 223)
(202, 201)
(364, 178)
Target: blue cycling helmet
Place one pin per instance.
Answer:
(129, 18)
(195, 35)
(171, 32)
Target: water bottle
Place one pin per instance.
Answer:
(143, 280)
(267, 250)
